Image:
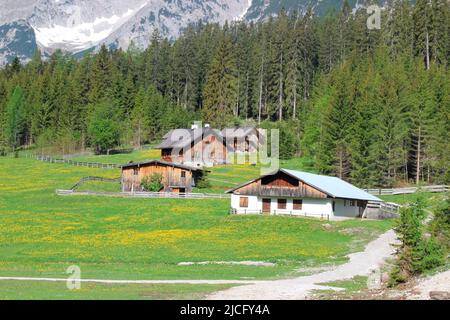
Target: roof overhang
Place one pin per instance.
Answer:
(376, 199)
(273, 173)
(163, 163)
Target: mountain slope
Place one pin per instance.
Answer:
(16, 39)
(171, 17)
(262, 9)
(82, 25)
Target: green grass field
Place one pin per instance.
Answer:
(123, 158)
(41, 234)
(430, 198)
(30, 290)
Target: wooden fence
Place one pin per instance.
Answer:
(50, 159)
(389, 207)
(281, 213)
(90, 178)
(165, 195)
(393, 191)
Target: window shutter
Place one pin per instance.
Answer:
(282, 203)
(297, 204)
(243, 202)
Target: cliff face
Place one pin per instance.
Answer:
(83, 25)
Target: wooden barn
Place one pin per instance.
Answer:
(175, 177)
(243, 139)
(300, 193)
(207, 146)
(196, 147)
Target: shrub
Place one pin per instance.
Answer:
(152, 183)
(431, 255)
(440, 225)
(415, 254)
(203, 182)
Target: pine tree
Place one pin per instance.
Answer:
(334, 154)
(439, 36)
(398, 36)
(329, 48)
(101, 71)
(422, 26)
(293, 59)
(15, 118)
(220, 91)
(139, 117)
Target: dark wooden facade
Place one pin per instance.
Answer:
(280, 185)
(175, 178)
(210, 149)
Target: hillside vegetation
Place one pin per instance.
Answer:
(370, 106)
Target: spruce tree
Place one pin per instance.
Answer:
(220, 91)
(15, 118)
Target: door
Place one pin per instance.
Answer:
(266, 205)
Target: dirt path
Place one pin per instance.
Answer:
(437, 282)
(360, 263)
(133, 281)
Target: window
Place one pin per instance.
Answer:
(334, 206)
(282, 203)
(352, 203)
(297, 204)
(243, 202)
(183, 174)
(135, 171)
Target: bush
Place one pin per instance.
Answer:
(415, 255)
(440, 225)
(431, 255)
(203, 182)
(152, 183)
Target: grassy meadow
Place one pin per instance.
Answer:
(41, 234)
(122, 158)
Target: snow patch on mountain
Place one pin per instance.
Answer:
(170, 18)
(78, 35)
(242, 15)
(83, 25)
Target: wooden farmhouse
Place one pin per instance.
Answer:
(207, 146)
(175, 177)
(243, 139)
(195, 147)
(300, 193)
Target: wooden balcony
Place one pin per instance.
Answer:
(276, 191)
